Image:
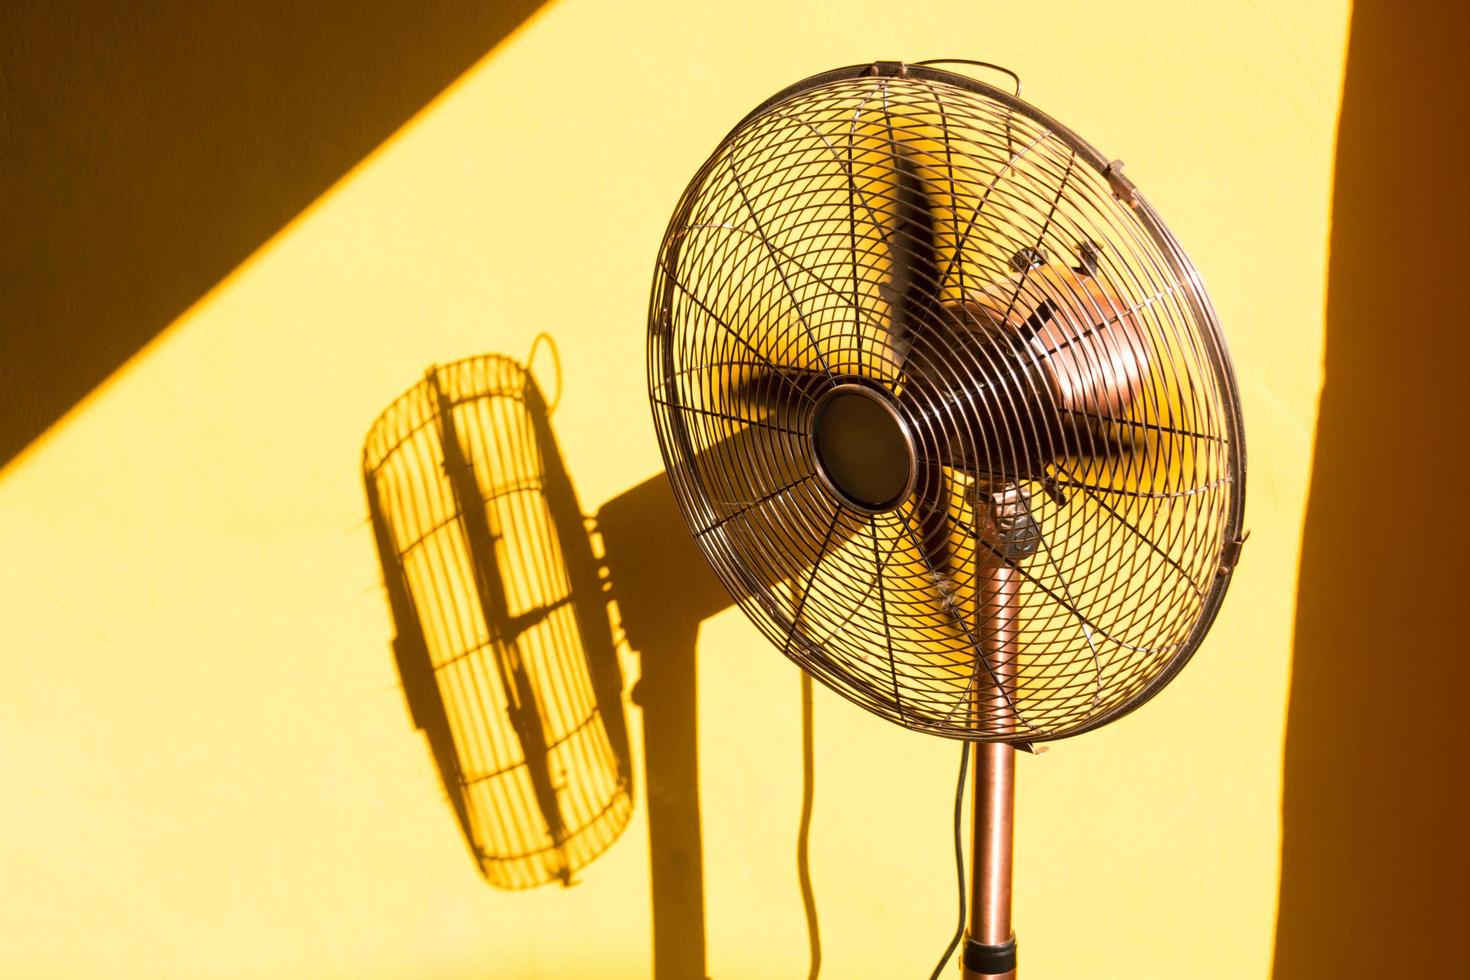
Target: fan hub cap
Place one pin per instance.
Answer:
(863, 448)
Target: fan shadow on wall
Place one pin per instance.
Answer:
(1374, 839)
(506, 652)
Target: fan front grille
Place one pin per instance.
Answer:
(968, 261)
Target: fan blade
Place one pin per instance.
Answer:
(778, 389)
(933, 489)
(913, 289)
(1088, 437)
(912, 294)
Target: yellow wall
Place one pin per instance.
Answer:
(208, 768)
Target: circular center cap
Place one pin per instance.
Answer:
(864, 452)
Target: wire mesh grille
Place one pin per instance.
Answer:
(513, 680)
(1044, 344)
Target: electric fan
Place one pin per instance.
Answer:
(948, 410)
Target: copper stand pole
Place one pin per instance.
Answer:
(989, 950)
(990, 853)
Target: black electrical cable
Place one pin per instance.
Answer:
(959, 858)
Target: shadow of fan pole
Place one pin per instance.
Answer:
(1374, 853)
(149, 148)
(664, 589)
(505, 651)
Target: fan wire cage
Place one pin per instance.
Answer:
(514, 683)
(1040, 357)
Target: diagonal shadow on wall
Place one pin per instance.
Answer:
(1374, 854)
(148, 149)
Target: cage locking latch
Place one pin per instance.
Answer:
(1122, 187)
(1230, 554)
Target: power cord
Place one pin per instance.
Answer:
(959, 858)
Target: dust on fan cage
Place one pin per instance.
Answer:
(518, 692)
(897, 256)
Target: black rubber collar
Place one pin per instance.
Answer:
(980, 958)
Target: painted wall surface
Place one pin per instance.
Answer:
(207, 766)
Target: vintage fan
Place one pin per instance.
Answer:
(989, 474)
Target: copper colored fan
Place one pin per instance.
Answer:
(991, 468)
